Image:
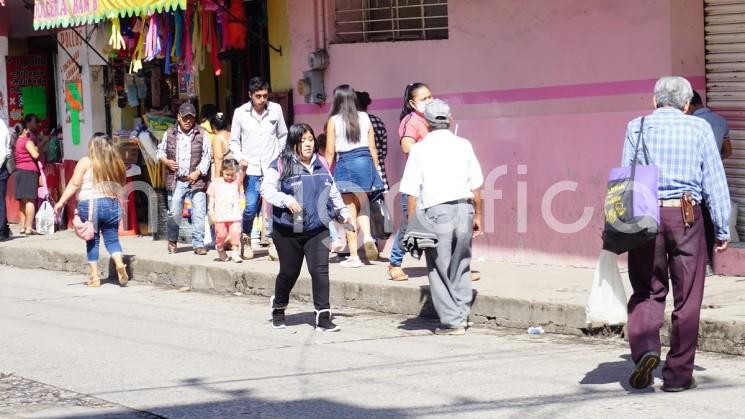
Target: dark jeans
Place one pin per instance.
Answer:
(681, 251)
(252, 189)
(291, 248)
(398, 252)
(4, 175)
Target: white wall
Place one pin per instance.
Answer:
(92, 117)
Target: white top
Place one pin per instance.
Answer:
(86, 189)
(4, 142)
(258, 139)
(342, 143)
(441, 168)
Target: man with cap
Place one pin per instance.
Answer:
(450, 206)
(186, 153)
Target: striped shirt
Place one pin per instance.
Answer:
(683, 148)
(381, 144)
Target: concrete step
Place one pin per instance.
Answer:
(508, 295)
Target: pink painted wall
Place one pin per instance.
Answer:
(549, 84)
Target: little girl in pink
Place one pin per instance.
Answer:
(225, 210)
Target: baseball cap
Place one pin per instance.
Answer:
(437, 111)
(187, 108)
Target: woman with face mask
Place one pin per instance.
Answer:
(304, 198)
(411, 130)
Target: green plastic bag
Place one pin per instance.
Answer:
(54, 150)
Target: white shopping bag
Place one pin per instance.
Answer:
(607, 303)
(45, 219)
(207, 232)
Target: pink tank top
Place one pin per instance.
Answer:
(24, 161)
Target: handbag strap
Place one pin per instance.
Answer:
(640, 142)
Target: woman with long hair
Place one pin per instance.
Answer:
(304, 197)
(350, 136)
(220, 143)
(98, 180)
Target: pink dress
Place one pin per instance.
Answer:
(228, 214)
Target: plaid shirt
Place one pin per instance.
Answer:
(381, 143)
(684, 150)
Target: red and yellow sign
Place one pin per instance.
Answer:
(65, 13)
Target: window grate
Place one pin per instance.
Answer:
(390, 20)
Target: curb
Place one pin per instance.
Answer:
(727, 337)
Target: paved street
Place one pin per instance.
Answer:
(149, 352)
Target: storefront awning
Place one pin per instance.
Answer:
(65, 13)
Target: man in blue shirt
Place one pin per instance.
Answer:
(683, 148)
(718, 124)
(721, 135)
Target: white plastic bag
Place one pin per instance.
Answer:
(607, 303)
(207, 232)
(45, 219)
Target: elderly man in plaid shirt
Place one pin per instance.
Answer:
(684, 149)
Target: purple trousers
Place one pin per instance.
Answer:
(677, 256)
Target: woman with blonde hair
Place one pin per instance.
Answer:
(98, 180)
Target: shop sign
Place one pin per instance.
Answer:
(28, 87)
(65, 13)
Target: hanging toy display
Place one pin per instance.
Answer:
(147, 49)
(116, 41)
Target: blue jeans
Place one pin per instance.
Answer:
(106, 216)
(198, 212)
(252, 189)
(397, 252)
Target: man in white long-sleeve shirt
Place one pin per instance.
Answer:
(257, 137)
(4, 175)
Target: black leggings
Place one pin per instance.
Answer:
(291, 248)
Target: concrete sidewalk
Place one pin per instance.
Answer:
(508, 295)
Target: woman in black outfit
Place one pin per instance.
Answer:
(304, 197)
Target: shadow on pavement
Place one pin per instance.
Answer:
(619, 371)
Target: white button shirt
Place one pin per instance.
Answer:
(441, 168)
(4, 142)
(258, 139)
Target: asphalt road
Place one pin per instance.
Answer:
(145, 352)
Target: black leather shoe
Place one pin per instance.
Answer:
(642, 375)
(690, 386)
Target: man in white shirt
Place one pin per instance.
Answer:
(4, 175)
(445, 175)
(257, 137)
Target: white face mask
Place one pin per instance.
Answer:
(419, 106)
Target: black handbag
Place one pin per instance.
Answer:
(381, 222)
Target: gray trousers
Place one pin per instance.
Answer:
(449, 264)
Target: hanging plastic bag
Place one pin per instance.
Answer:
(45, 219)
(207, 233)
(607, 303)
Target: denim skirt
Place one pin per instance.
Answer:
(355, 172)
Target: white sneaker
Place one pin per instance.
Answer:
(236, 257)
(351, 262)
